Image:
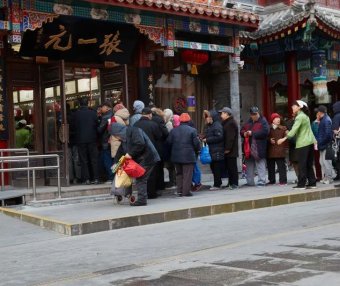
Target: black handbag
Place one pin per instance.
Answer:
(330, 153)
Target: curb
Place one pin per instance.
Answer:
(160, 217)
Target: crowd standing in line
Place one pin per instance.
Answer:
(158, 139)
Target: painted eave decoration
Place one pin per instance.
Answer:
(289, 20)
(203, 9)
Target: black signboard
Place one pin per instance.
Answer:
(81, 40)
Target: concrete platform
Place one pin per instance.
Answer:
(90, 217)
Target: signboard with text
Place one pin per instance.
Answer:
(81, 40)
(3, 105)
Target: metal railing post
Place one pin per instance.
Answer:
(33, 186)
(59, 185)
(2, 174)
(28, 170)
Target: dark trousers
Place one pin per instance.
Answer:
(318, 172)
(107, 162)
(305, 165)
(141, 184)
(152, 183)
(184, 178)
(172, 173)
(231, 166)
(160, 175)
(281, 165)
(217, 168)
(88, 157)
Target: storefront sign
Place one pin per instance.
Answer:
(180, 105)
(81, 40)
(3, 105)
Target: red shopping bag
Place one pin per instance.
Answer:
(246, 146)
(133, 169)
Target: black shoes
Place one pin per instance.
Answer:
(87, 182)
(186, 195)
(95, 182)
(138, 204)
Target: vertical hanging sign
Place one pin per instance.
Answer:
(3, 105)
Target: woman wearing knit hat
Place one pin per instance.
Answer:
(184, 145)
(276, 153)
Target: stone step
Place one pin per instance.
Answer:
(165, 210)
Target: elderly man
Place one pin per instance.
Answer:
(256, 130)
(230, 135)
(324, 137)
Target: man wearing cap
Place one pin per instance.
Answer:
(137, 109)
(230, 135)
(256, 130)
(151, 129)
(324, 138)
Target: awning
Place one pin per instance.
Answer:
(81, 40)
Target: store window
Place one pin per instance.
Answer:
(23, 100)
(279, 98)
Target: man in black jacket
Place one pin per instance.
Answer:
(85, 124)
(151, 129)
(136, 145)
(230, 133)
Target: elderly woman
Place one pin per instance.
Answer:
(304, 145)
(184, 145)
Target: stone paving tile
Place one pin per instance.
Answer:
(293, 255)
(331, 265)
(266, 265)
(320, 247)
(289, 276)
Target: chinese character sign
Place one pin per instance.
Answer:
(81, 40)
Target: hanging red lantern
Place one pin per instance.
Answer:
(195, 58)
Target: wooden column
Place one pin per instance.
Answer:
(266, 102)
(292, 79)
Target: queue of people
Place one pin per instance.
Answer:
(159, 139)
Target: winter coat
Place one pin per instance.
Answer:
(103, 133)
(150, 128)
(260, 131)
(230, 134)
(184, 144)
(214, 137)
(134, 118)
(325, 133)
(302, 131)
(138, 145)
(85, 122)
(275, 150)
(113, 140)
(157, 117)
(336, 117)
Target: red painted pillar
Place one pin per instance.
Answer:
(266, 103)
(292, 79)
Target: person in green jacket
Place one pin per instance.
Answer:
(305, 141)
(22, 135)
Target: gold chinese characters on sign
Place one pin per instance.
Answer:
(110, 42)
(2, 117)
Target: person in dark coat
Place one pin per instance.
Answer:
(336, 131)
(324, 138)
(276, 153)
(257, 130)
(213, 136)
(151, 129)
(104, 136)
(158, 117)
(136, 145)
(230, 135)
(184, 145)
(85, 122)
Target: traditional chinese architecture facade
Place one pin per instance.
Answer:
(183, 55)
(298, 46)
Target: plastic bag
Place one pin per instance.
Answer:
(122, 179)
(133, 169)
(246, 147)
(205, 155)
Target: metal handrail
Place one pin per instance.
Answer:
(9, 150)
(28, 157)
